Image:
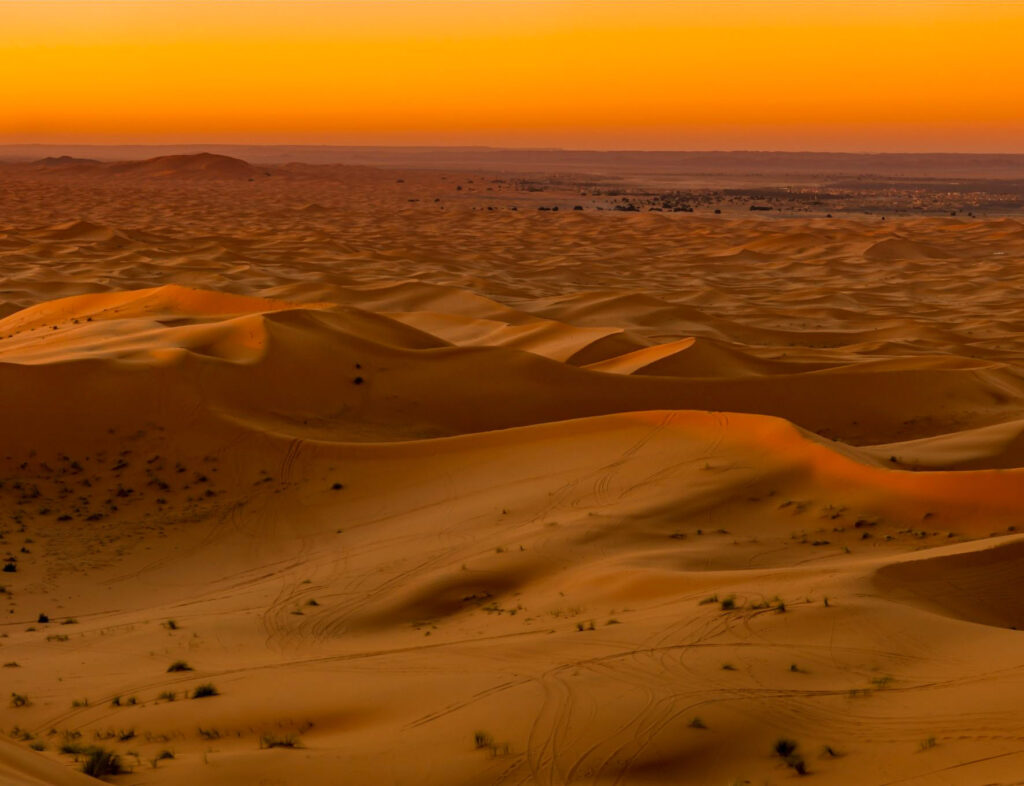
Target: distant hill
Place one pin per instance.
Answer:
(200, 166)
(51, 162)
(197, 166)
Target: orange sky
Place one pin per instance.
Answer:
(826, 75)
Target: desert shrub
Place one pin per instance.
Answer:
(161, 756)
(179, 665)
(204, 690)
(167, 695)
(273, 741)
(728, 604)
(19, 700)
(102, 763)
(697, 723)
(482, 740)
(786, 750)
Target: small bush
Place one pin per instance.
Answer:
(928, 744)
(179, 665)
(697, 723)
(38, 745)
(161, 756)
(708, 600)
(102, 762)
(482, 740)
(171, 625)
(42, 618)
(167, 695)
(202, 691)
(728, 604)
(19, 700)
(273, 741)
(786, 750)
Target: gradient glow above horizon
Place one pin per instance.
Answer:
(860, 76)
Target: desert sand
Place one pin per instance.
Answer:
(435, 491)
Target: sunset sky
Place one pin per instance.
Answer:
(837, 75)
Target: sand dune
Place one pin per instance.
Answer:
(472, 496)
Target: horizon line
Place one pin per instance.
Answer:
(501, 148)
